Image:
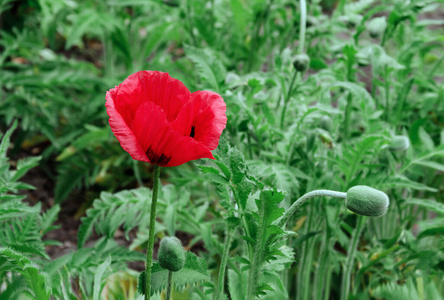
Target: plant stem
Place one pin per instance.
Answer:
(169, 285)
(258, 253)
(347, 116)
(294, 207)
(287, 98)
(304, 272)
(346, 274)
(387, 95)
(302, 25)
(149, 251)
(223, 264)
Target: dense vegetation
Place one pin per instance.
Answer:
(347, 93)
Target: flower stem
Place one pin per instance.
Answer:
(256, 263)
(302, 26)
(223, 264)
(287, 98)
(294, 207)
(345, 285)
(347, 117)
(169, 286)
(149, 253)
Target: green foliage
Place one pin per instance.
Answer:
(193, 272)
(367, 85)
(37, 282)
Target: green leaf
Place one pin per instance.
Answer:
(4, 145)
(37, 281)
(404, 182)
(210, 68)
(23, 166)
(98, 278)
(429, 204)
(430, 164)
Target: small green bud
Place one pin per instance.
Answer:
(377, 26)
(326, 123)
(399, 143)
(367, 201)
(171, 255)
(301, 62)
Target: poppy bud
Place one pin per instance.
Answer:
(171, 255)
(301, 62)
(377, 26)
(399, 143)
(367, 201)
(326, 123)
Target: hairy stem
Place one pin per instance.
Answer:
(258, 253)
(287, 98)
(294, 207)
(302, 26)
(223, 264)
(169, 285)
(347, 116)
(346, 274)
(149, 251)
(387, 94)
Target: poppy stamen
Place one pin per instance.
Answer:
(154, 158)
(192, 131)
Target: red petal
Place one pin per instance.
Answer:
(151, 86)
(206, 113)
(162, 144)
(123, 133)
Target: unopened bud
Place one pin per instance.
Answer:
(377, 26)
(399, 143)
(367, 201)
(171, 255)
(301, 62)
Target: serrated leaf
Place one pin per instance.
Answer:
(193, 272)
(429, 204)
(98, 278)
(209, 66)
(4, 145)
(24, 165)
(36, 280)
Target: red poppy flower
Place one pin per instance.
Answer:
(157, 120)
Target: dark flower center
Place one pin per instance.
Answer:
(154, 158)
(192, 131)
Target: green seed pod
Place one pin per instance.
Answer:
(326, 123)
(367, 201)
(171, 255)
(399, 143)
(377, 26)
(301, 62)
